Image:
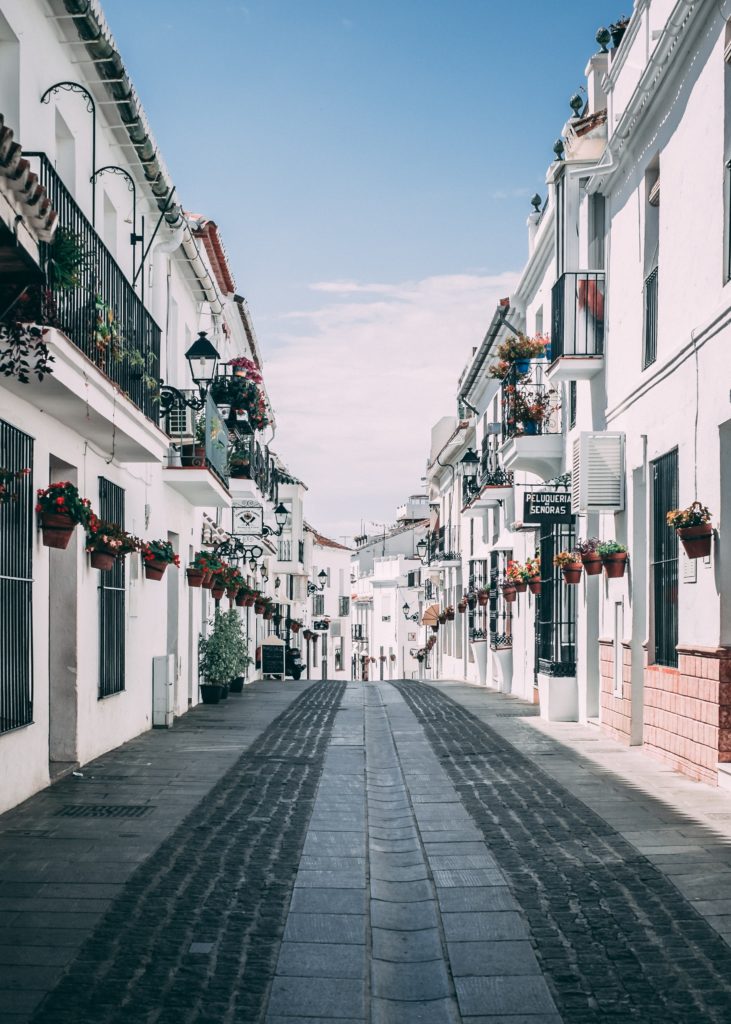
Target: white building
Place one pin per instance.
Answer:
(631, 282)
(89, 658)
(329, 646)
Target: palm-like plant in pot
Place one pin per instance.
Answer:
(217, 662)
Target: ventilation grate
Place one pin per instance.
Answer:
(103, 811)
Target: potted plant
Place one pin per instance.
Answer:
(232, 581)
(509, 592)
(239, 649)
(515, 575)
(693, 526)
(532, 574)
(218, 584)
(569, 562)
(483, 596)
(239, 460)
(60, 509)
(590, 557)
(462, 606)
(294, 624)
(216, 660)
(472, 600)
(614, 558)
(308, 636)
(209, 565)
(157, 555)
(527, 409)
(268, 610)
(442, 618)
(449, 612)
(435, 627)
(106, 542)
(393, 657)
(518, 350)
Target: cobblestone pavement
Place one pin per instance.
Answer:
(194, 934)
(376, 855)
(614, 937)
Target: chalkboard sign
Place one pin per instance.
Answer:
(272, 658)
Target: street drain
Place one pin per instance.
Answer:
(103, 811)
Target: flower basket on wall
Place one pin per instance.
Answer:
(569, 562)
(195, 576)
(614, 559)
(483, 596)
(218, 589)
(157, 555)
(60, 509)
(509, 593)
(693, 527)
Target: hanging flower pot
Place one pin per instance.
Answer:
(231, 593)
(510, 593)
(572, 573)
(462, 607)
(295, 626)
(520, 586)
(217, 590)
(442, 618)
(483, 596)
(696, 540)
(435, 627)
(615, 565)
(382, 657)
(259, 607)
(155, 570)
(241, 599)
(248, 601)
(522, 365)
(102, 559)
(534, 586)
(268, 614)
(393, 657)
(592, 562)
(208, 579)
(450, 614)
(195, 576)
(56, 528)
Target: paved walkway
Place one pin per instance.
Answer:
(363, 853)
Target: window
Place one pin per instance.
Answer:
(477, 618)
(318, 604)
(285, 549)
(111, 600)
(556, 609)
(572, 404)
(16, 582)
(651, 263)
(344, 606)
(664, 560)
(500, 613)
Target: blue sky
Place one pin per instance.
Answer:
(360, 141)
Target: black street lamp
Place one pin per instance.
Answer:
(406, 608)
(203, 361)
(422, 549)
(322, 577)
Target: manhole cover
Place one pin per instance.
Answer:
(102, 811)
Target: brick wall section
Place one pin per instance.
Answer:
(616, 709)
(688, 711)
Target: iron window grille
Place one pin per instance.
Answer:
(285, 550)
(111, 600)
(16, 582)
(665, 560)
(556, 608)
(499, 610)
(318, 604)
(344, 608)
(572, 404)
(649, 347)
(478, 579)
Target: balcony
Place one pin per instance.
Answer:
(106, 346)
(253, 470)
(444, 546)
(493, 486)
(531, 424)
(197, 468)
(577, 326)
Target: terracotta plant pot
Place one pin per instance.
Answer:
(450, 616)
(482, 600)
(241, 599)
(208, 579)
(696, 540)
(217, 591)
(268, 616)
(462, 607)
(210, 693)
(614, 565)
(259, 607)
(249, 601)
(435, 627)
(231, 593)
(592, 563)
(295, 627)
(521, 586)
(195, 577)
(57, 529)
(155, 570)
(572, 574)
(534, 586)
(510, 594)
(103, 560)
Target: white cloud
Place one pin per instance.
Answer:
(358, 383)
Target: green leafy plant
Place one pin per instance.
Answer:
(567, 560)
(223, 654)
(68, 261)
(694, 515)
(103, 535)
(159, 551)
(63, 498)
(610, 547)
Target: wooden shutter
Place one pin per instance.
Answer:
(597, 479)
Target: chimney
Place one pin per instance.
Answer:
(595, 71)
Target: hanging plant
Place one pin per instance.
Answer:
(614, 558)
(590, 557)
(68, 261)
(157, 555)
(693, 526)
(60, 508)
(569, 562)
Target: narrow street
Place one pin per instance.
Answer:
(363, 852)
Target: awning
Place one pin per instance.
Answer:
(431, 615)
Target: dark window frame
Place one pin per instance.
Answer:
(112, 601)
(555, 622)
(664, 564)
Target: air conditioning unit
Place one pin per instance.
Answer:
(493, 428)
(180, 423)
(597, 479)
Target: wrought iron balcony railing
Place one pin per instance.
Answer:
(577, 314)
(444, 544)
(529, 404)
(249, 460)
(93, 303)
